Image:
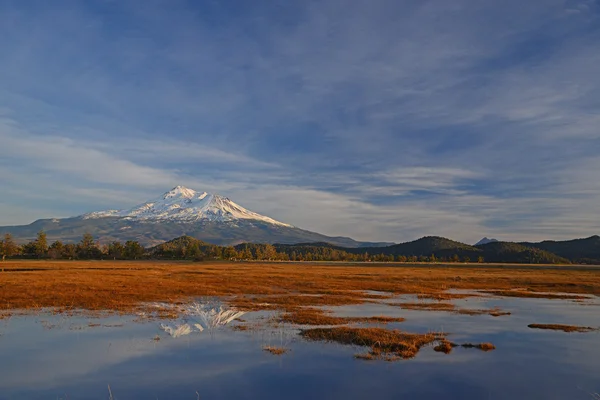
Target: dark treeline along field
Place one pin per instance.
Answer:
(426, 249)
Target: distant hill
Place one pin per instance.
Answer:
(517, 253)
(441, 248)
(426, 246)
(585, 251)
(485, 240)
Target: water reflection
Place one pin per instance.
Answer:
(196, 317)
(77, 357)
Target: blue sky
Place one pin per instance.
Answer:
(379, 120)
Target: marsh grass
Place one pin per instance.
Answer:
(449, 307)
(535, 295)
(444, 347)
(275, 350)
(383, 343)
(480, 346)
(125, 286)
(426, 306)
(240, 327)
(317, 316)
(563, 328)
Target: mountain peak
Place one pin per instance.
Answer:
(182, 204)
(181, 191)
(485, 240)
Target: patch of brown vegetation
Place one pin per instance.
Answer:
(240, 327)
(317, 316)
(499, 313)
(445, 296)
(377, 319)
(444, 347)
(534, 295)
(426, 306)
(277, 351)
(494, 312)
(124, 286)
(480, 346)
(564, 328)
(384, 343)
(365, 356)
(4, 315)
(448, 307)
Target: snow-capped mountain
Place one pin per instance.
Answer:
(182, 204)
(180, 211)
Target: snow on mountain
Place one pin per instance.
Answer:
(485, 240)
(182, 204)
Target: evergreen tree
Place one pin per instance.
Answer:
(28, 249)
(70, 251)
(56, 249)
(9, 248)
(41, 244)
(88, 248)
(229, 253)
(269, 252)
(133, 250)
(115, 250)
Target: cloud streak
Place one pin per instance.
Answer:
(384, 121)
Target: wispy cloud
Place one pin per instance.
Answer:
(382, 121)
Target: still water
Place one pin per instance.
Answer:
(202, 356)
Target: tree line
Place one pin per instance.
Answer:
(86, 249)
(189, 248)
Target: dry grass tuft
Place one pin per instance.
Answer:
(449, 307)
(426, 306)
(384, 343)
(378, 319)
(535, 295)
(564, 328)
(317, 316)
(277, 351)
(495, 312)
(480, 346)
(445, 296)
(240, 327)
(444, 347)
(499, 313)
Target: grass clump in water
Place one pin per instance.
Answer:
(317, 316)
(480, 346)
(535, 295)
(564, 328)
(444, 347)
(384, 343)
(275, 350)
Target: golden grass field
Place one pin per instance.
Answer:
(124, 285)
